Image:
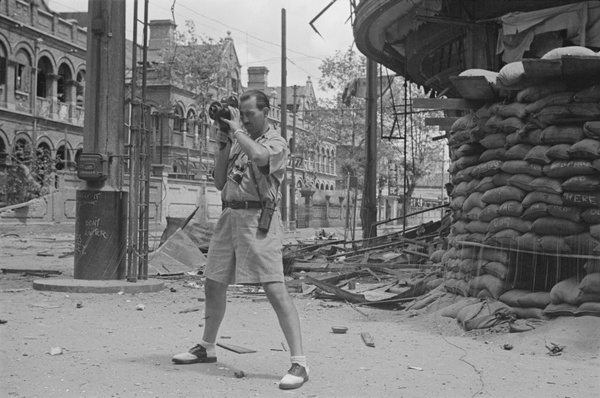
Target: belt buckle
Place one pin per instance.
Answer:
(246, 204)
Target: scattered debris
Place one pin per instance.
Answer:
(56, 351)
(284, 346)
(507, 347)
(555, 350)
(240, 374)
(66, 254)
(339, 329)
(193, 309)
(193, 285)
(79, 305)
(173, 290)
(415, 368)
(140, 307)
(369, 342)
(236, 349)
(30, 271)
(3, 321)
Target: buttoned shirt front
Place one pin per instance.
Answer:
(268, 177)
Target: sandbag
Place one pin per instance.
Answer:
(589, 94)
(487, 169)
(521, 181)
(497, 270)
(562, 309)
(592, 266)
(584, 110)
(587, 148)
(464, 162)
(459, 227)
(485, 184)
(570, 213)
(566, 291)
(511, 208)
(554, 244)
(476, 237)
(536, 196)
(558, 53)
(502, 194)
(479, 227)
(529, 241)
(591, 216)
(583, 243)
(460, 190)
(531, 137)
(469, 252)
(497, 140)
(517, 152)
(585, 183)
(450, 254)
(457, 202)
(564, 169)
(501, 179)
(513, 139)
(529, 313)
(513, 109)
(590, 283)
(510, 125)
(474, 213)
(522, 167)
(534, 93)
(553, 135)
(452, 310)
(534, 300)
(497, 255)
(561, 98)
(551, 115)
(557, 226)
(492, 154)
(511, 75)
(558, 151)
(473, 200)
(504, 238)
(463, 122)
(592, 129)
(436, 256)
(500, 223)
(467, 150)
(588, 309)
(595, 231)
(489, 282)
(471, 185)
(489, 212)
(535, 211)
(511, 297)
(547, 184)
(582, 199)
(538, 155)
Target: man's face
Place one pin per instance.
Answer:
(254, 120)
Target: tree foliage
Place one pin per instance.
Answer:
(193, 63)
(344, 122)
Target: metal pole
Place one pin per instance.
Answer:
(284, 194)
(370, 184)
(405, 179)
(293, 185)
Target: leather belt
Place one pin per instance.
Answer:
(236, 205)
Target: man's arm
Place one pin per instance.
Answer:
(220, 173)
(257, 153)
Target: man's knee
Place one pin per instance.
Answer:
(214, 289)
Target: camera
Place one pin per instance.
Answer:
(266, 215)
(236, 175)
(220, 109)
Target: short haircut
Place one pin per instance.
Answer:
(262, 101)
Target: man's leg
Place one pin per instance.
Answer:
(290, 325)
(216, 302)
(214, 309)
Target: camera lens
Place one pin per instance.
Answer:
(214, 109)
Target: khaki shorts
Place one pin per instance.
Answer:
(239, 253)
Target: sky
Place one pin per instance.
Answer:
(256, 28)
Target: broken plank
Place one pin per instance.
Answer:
(444, 123)
(237, 349)
(366, 337)
(29, 271)
(445, 104)
(341, 293)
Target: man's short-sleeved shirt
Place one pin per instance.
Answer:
(269, 177)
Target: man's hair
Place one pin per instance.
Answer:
(262, 101)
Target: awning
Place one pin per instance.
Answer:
(581, 21)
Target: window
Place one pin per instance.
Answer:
(64, 75)
(22, 71)
(80, 88)
(2, 65)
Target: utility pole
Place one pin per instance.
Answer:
(369, 211)
(293, 184)
(284, 194)
(101, 202)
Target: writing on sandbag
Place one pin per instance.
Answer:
(587, 199)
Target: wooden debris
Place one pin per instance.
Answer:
(236, 349)
(366, 337)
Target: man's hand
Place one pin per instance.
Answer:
(235, 122)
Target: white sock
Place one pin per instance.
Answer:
(300, 360)
(210, 348)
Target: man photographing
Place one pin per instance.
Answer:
(246, 247)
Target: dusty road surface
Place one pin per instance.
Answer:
(99, 345)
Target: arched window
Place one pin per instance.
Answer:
(77, 155)
(80, 94)
(22, 150)
(2, 65)
(44, 68)
(22, 71)
(63, 157)
(64, 76)
(177, 118)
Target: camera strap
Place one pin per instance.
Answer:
(262, 204)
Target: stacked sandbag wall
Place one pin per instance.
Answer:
(526, 177)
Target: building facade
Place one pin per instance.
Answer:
(42, 83)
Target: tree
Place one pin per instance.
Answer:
(193, 63)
